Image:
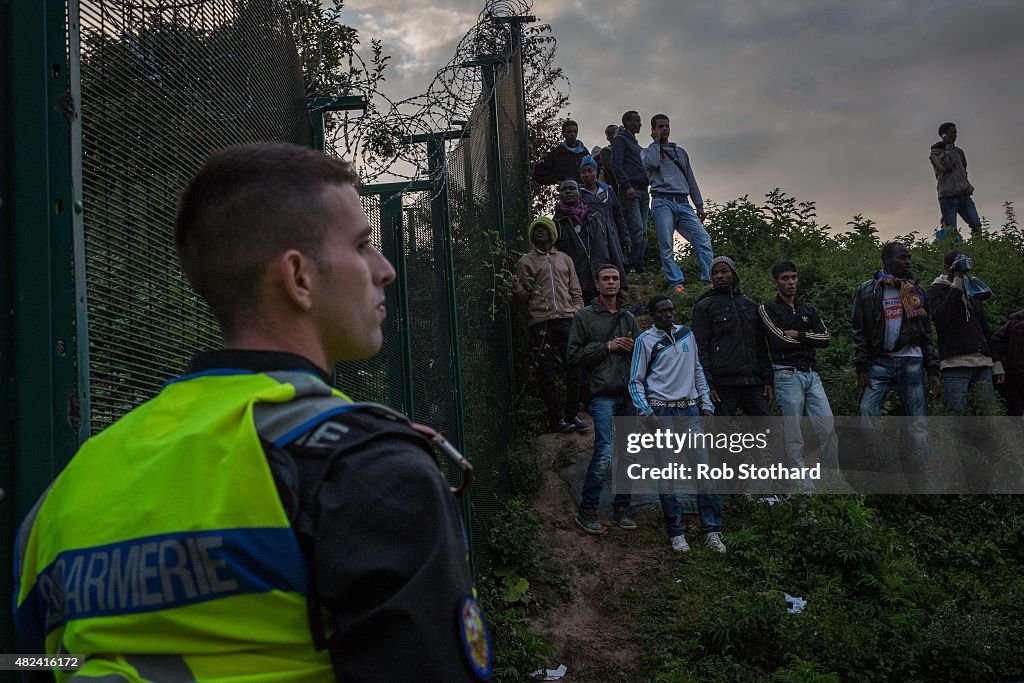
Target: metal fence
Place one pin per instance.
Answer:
(114, 105)
(447, 356)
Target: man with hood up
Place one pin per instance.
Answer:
(546, 280)
(731, 344)
(563, 160)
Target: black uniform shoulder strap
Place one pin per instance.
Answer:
(306, 422)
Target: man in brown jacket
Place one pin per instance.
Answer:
(950, 165)
(546, 279)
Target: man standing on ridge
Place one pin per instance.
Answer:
(269, 528)
(950, 165)
(563, 160)
(631, 182)
(673, 186)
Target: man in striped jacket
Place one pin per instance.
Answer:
(794, 330)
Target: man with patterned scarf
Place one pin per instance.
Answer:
(563, 160)
(893, 346)
(892, 337)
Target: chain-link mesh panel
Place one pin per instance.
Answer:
(447, 354)
(163, 84)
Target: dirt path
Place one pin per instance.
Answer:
(594, 633)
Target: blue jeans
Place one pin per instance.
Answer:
(671, 217)
(604, 408)
(963, 205)
(957, 382)
(801, 394)
(907, 374)
(635, 212)
(709, 505)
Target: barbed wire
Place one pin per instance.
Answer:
(373, 138)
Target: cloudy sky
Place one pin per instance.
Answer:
(833, 101)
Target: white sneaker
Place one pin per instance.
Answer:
(715, 541)
(679, 544)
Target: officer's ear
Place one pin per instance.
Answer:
(295, 272)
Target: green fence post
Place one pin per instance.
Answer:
(43, 197)
(494, 175)
(318, 106)
(392, 228)
(524, 125)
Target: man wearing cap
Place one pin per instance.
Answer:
(673, 187)
(546, 280)
(965, 354)
(731, 343)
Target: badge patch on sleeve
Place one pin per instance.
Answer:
(475, 639)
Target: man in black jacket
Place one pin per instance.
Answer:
(965, 353)
(731, 344)
(892, 342)
(892, 337)
(631, 183)
(563, 160)
(794, 330)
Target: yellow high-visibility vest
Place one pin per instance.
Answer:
(162, 551)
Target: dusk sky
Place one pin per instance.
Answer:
(834, 102)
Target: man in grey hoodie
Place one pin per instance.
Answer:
(950, 165)
(673, 187)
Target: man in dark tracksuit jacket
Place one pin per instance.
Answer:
(731, 343)
(794, 330)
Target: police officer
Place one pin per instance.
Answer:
(250, 520)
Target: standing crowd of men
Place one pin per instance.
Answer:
(737, 355)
